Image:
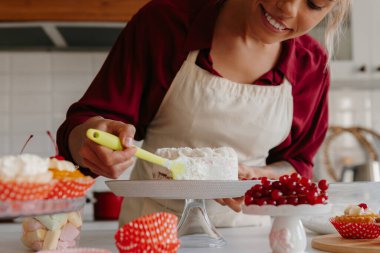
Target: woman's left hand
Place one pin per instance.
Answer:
(233, 203)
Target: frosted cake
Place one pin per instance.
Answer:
(205, 163)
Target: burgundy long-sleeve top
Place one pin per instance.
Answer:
(147, 55)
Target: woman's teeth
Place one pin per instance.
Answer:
(274, 23)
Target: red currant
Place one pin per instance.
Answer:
(363, 205)
(276, 194)
(323, 185)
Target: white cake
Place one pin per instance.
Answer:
(205, 163)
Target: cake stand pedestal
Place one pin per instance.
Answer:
(195, 229)
(287, 234)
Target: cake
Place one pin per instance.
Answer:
(24, 177)
(204, 163)
(358, 213)
(357, 222)
(48, 232)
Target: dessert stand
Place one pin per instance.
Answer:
(14, 209)
(194, 228)
(287, 234)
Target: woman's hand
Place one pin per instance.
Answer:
(233, 203)
(101, 160)
(272, 171)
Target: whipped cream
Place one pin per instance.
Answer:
(61, 165)
(13, 167)
(355, 210)
(204, 163)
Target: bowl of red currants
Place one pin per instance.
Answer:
(288, 190)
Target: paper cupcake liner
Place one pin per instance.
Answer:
(24, 191)
(355, 230)
(77, 250)
(71, 188)
(155, 232)
(135, 248)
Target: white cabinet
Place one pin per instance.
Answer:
(357, 61)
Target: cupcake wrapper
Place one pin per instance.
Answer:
(135, 248)
(355, 230)
(155, 232)
(24, 191)
(70, 188)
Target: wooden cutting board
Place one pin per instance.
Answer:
(336, 244)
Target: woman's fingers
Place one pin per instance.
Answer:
(104, 161)
(233, 203)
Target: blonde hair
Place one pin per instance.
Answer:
(335, 20)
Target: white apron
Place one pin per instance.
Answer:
(204, 110)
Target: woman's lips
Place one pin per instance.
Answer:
(272, 23)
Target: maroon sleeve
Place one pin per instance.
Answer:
(117, 91)
(309, 127)
(137, 73)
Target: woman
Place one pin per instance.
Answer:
(195, 73)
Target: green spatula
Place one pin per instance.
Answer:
(176, 167)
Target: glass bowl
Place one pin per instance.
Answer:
(52, 232)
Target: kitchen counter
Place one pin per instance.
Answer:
(101, 235)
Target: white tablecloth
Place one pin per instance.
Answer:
(101, 235)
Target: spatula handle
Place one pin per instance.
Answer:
(113, 142)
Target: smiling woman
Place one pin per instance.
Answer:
(237, 73)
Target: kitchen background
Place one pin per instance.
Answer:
(45, 67)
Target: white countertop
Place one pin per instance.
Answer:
(101, 235)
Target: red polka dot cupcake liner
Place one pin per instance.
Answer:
(70, 188)
(24, 191)
(156, 232)
(356, 230)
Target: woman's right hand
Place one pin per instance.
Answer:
(102, 160)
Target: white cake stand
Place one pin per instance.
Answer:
(194, 228)
(287, 234)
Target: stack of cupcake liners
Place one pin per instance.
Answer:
(155, 232)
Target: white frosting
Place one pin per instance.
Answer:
(12, 167)
(62, 165)
(354, 210)
(204, 163)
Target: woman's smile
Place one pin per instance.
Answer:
(272, 23)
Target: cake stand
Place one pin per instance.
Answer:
(13, 209)
(287, 234)
(194, 228)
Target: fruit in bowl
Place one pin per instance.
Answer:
(71, 183)
(288, 190)
(357, 222)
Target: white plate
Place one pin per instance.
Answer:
(181, 189)
(287, 210)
